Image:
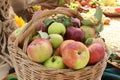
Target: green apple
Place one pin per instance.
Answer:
(56, 40)
(55, 62)
(56, 28)
(89, 32)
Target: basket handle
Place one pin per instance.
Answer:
(40, 17)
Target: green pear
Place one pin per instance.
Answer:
(57, 28)
(56, 40)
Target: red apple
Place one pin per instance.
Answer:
(37, 13)
(63, 44)
(75, 21)
(41, 27)
(90, 41)
(97, 52)
(75, 55)
(74, 33)
(39, 50)
(99, 40)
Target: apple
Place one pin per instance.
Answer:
(74, 33)
(97, 52)
(57, 52)
(75, 55)
(56, 28)
(56, 40)
(88, 32)
(37, 13)
(100, 40)
(54, 62)
(106, 20)
(39, 50)
(75, 21)
(15, 33)
(63, 44)
(41, 27)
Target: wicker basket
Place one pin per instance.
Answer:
(7, 25)
(50, 4)
(4, 68)
(26, 10)
(29, 70)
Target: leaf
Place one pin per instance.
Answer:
(99, 28)
(47, 22)
(43, 34)
(87, 22)
(89, 41)
(65, 20)
(98, 14)
(115, 60)
(112, 56)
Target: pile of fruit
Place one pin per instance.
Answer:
(64, 42)
(110, 8)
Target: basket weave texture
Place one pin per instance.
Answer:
(29, 70)
(7, 26)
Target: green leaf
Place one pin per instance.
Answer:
(99, 28)
(98, 14)
(112, 56)
(47, 22)
(115, 60)
(87, 22)
(65, 20)
(43, 34)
